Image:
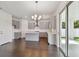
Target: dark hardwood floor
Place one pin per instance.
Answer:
(22, 48)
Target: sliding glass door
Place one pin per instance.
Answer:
(63, 30)
(69, 30)
(73, 29)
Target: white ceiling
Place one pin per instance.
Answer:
(28, 8)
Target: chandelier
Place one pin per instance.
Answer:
(36, 17)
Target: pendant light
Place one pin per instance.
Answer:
(36, 17)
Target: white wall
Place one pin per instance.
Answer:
(6, 34)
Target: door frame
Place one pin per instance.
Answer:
(67, 36)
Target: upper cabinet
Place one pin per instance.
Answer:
(16, 24)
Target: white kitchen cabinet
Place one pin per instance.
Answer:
(24, 27)
(51, 38)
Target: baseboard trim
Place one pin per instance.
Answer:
(4, 43)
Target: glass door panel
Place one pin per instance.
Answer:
(73, 29)
(63, 31)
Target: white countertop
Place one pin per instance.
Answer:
(35, 31)
(32, 31)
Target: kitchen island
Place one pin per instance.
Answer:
(32, 36)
